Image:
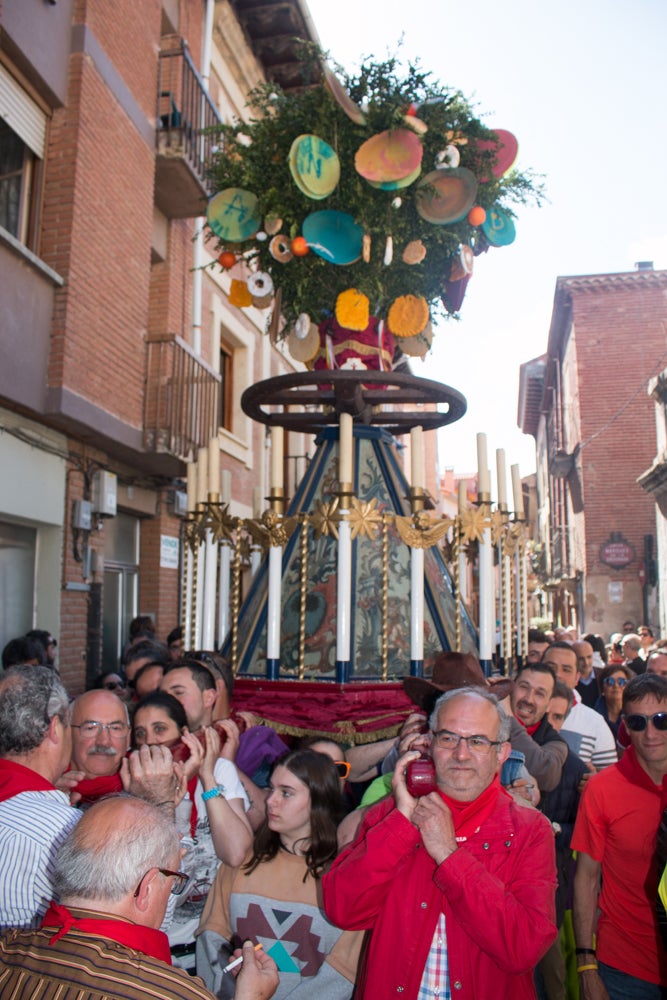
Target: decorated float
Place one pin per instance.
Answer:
(354, 212)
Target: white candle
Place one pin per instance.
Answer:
(345, 439)
(517, 490)
(463, 495)
(202, 475)
(277, 444)
(483, 479)
(257, 502)
(417, 458)
(192, 485)
(214, 466)
(226, 489)
(501, 475)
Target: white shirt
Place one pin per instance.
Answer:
(588, 735)
(33, 825)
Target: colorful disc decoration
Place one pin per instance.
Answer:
(342, 98)
(314, 166)
(334, 236)
(505, 148)
(396, 185)
(389, 156)
(446, 196)
(356, 196)
(233, 214)
(498, 227)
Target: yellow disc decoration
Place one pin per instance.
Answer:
(408, 315)
(239, 294)
(353, 309)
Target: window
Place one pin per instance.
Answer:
(226, 387)
(17, 172)
(22, 144)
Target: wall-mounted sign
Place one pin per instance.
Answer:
(168, 552)
(617, 552)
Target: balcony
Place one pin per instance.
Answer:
(182, 399)
(185, 116)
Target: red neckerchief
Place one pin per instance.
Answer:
(631, 769)
(531, 730)
(147, 940)
(92, 789)
(16, 778)
(469, 816)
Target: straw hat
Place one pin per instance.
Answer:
(450, 671)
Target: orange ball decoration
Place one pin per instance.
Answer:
(227, 259)
(300, 246)
(476, 215)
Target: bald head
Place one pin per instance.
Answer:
(584, 652)
(100, 733)
(117, 843)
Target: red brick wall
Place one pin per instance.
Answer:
(159, 587)
(620, 343)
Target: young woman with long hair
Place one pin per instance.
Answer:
(275, 897)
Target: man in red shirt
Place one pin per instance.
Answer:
(615, 835)
(457, 885)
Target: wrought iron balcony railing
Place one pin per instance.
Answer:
(182, 398)
(185, 117)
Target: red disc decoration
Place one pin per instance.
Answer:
(506, 149)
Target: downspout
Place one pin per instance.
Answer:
(198, 253)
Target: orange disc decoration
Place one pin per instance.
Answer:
(300, 246)
(389, 156)
(227, 259)
(239, 294)
(476, 215)
(408, 315)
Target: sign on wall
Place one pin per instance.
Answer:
(616, 551)
(168, 552)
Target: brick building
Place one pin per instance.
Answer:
(120, 355)
(585, 402)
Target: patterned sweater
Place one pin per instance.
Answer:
(273, 905)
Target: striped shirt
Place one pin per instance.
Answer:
(80, 966)
(32, 827)
(588, 735)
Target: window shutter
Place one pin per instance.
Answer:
(22, 114)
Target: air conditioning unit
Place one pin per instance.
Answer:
(180, 503)
(105, 492)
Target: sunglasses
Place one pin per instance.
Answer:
(614, 681)
(638, 723)
(343, 768)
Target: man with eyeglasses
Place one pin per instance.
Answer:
(615, 835)
(100, 740)
(113, 876)
(458, 885)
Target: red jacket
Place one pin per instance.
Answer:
(496, 891)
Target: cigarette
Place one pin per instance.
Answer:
(237, 961)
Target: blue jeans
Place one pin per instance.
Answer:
(621, 986)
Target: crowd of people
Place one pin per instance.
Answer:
(510, 841)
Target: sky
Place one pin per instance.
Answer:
(583, 86)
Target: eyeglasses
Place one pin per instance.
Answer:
(90, 729)
(343, 768)
(113, 686)
(181, 880)
(614, 681)
(475, 744)
(638, 723)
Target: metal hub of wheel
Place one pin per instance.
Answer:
(313, 400)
